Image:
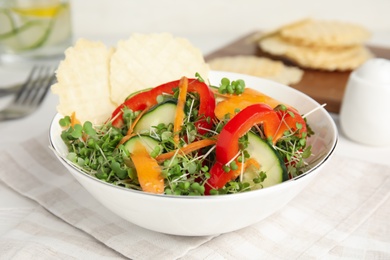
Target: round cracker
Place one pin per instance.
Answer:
(83, 82)
(325, 33)
(347, 58)
(148, 60)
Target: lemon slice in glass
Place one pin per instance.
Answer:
(46, 11)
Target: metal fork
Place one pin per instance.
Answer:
(31, 94)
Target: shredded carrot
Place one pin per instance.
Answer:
(73, 120)
(130, 131)
(148, 170)
(125, 139)
(219, 94)
(131, 128)
(179, 116)
(252, 162)
(187, 149)
(248, 162)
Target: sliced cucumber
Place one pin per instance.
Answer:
(160, 113)
(149, 142)
(269, 160)
(30, 35)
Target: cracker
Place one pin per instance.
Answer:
(148, 60)
(93, 79)
(325, 33)
(83, 82)
(259, 36)
(259, 67)
(275, 45)
(346, 58)
(341, 60)
(319, 44)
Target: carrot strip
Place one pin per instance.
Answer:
(73, 120)
(187, 149)
(247, 163)
(125, 139)
(148, 170)
(179, 117)
(130, 131)
(219, 94)
(252, 162)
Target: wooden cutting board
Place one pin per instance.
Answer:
(322, 86)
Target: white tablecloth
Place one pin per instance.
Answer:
(342, 213)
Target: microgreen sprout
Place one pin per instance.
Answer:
(199, 77)
(231, 87)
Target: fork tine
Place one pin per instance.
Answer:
(46, 83)
(37, 88)
(26, 87)
(31, 94)
(34, 87)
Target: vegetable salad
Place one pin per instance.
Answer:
(186, 137)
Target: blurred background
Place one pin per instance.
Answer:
(210, 24)
(207, 24)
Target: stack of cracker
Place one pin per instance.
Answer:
(319, 44)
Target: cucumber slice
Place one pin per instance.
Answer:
(270, 161)
(5, 21)
(27, 36)
(160, 113)
(149, 143)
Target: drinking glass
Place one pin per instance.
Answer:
(34, 29)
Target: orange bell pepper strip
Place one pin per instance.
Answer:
(234, 102)
(148, 170)
(289, 117)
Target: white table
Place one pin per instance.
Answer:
(206, 32)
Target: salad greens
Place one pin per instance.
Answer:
(256, 147)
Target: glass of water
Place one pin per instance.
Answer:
(34, 29)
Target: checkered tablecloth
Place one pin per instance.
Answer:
(343, 213)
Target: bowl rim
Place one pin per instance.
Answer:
(319, 164)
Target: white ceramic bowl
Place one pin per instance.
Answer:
(209, 215)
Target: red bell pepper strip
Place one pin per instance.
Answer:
(141, 101)
(289, 118)
(146, 99)
(206, 106)
(227, 146)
